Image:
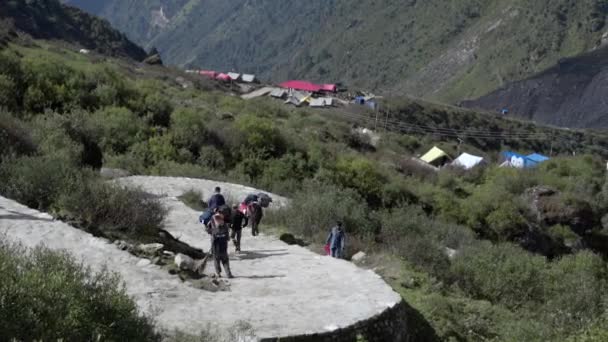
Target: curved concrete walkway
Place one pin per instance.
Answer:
(280, 290)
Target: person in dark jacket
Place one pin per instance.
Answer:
(337, 241)
(217, 200)
(219, 231)
(236, 222)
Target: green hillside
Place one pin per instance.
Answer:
(49, 19)
(71, 112)
(446, 50)
(495, 254)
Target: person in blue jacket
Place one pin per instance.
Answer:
(337, 240)
(217, 200)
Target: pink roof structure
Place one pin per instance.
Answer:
(329, 87)
(308, 86)
(208, 73)
(223, 77)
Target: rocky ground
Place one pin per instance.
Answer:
(280, 290)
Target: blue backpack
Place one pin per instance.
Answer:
(205, 217)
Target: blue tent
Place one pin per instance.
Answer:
(534, 159)
(360, 100)
(521, 161)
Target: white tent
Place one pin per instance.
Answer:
(467, 161)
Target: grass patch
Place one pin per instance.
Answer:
(194, 200)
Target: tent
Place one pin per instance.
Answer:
(234, 76)
(467, 161)
(435, 156)
(360, 100)
(534, 159)
(521, 161)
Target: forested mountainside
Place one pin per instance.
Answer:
(570, 94)
(49, 19)
(442, 50)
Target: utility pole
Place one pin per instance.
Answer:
(386, 122)
(551, 148)
(376, 124)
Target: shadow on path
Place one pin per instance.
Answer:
(13, 215)
(251, 255)
(260, 276)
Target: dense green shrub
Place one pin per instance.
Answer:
(15, 140)
(318, 206)
(360, 174)
(111, 210)
(118, 128)
(500, 273)
(37, 181)
(260, 137)
(188, 128)
(575, 290)
(48, 296)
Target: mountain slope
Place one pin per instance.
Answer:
(49, 19)
(433, 49)
(570, 94)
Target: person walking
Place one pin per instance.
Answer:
(236, 223)
(216, 200)
(219, 231)
(337, 240)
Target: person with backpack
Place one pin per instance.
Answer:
(336, 240)
(236, 223)
(218, 228)
(217, 199)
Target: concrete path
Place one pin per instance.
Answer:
(280, 290)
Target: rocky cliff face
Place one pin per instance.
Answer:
(570, 94)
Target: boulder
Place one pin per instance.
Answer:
(153, 58)
(358, 257)
(551, 208)
(152, 249)
(450, 253)
(123, 246)
(288, 238)
(184, 262)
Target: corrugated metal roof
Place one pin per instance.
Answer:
(277, 92)
(234, 76)
(248, 78)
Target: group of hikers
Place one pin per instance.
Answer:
(224, 223)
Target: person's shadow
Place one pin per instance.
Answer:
(252, 255)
